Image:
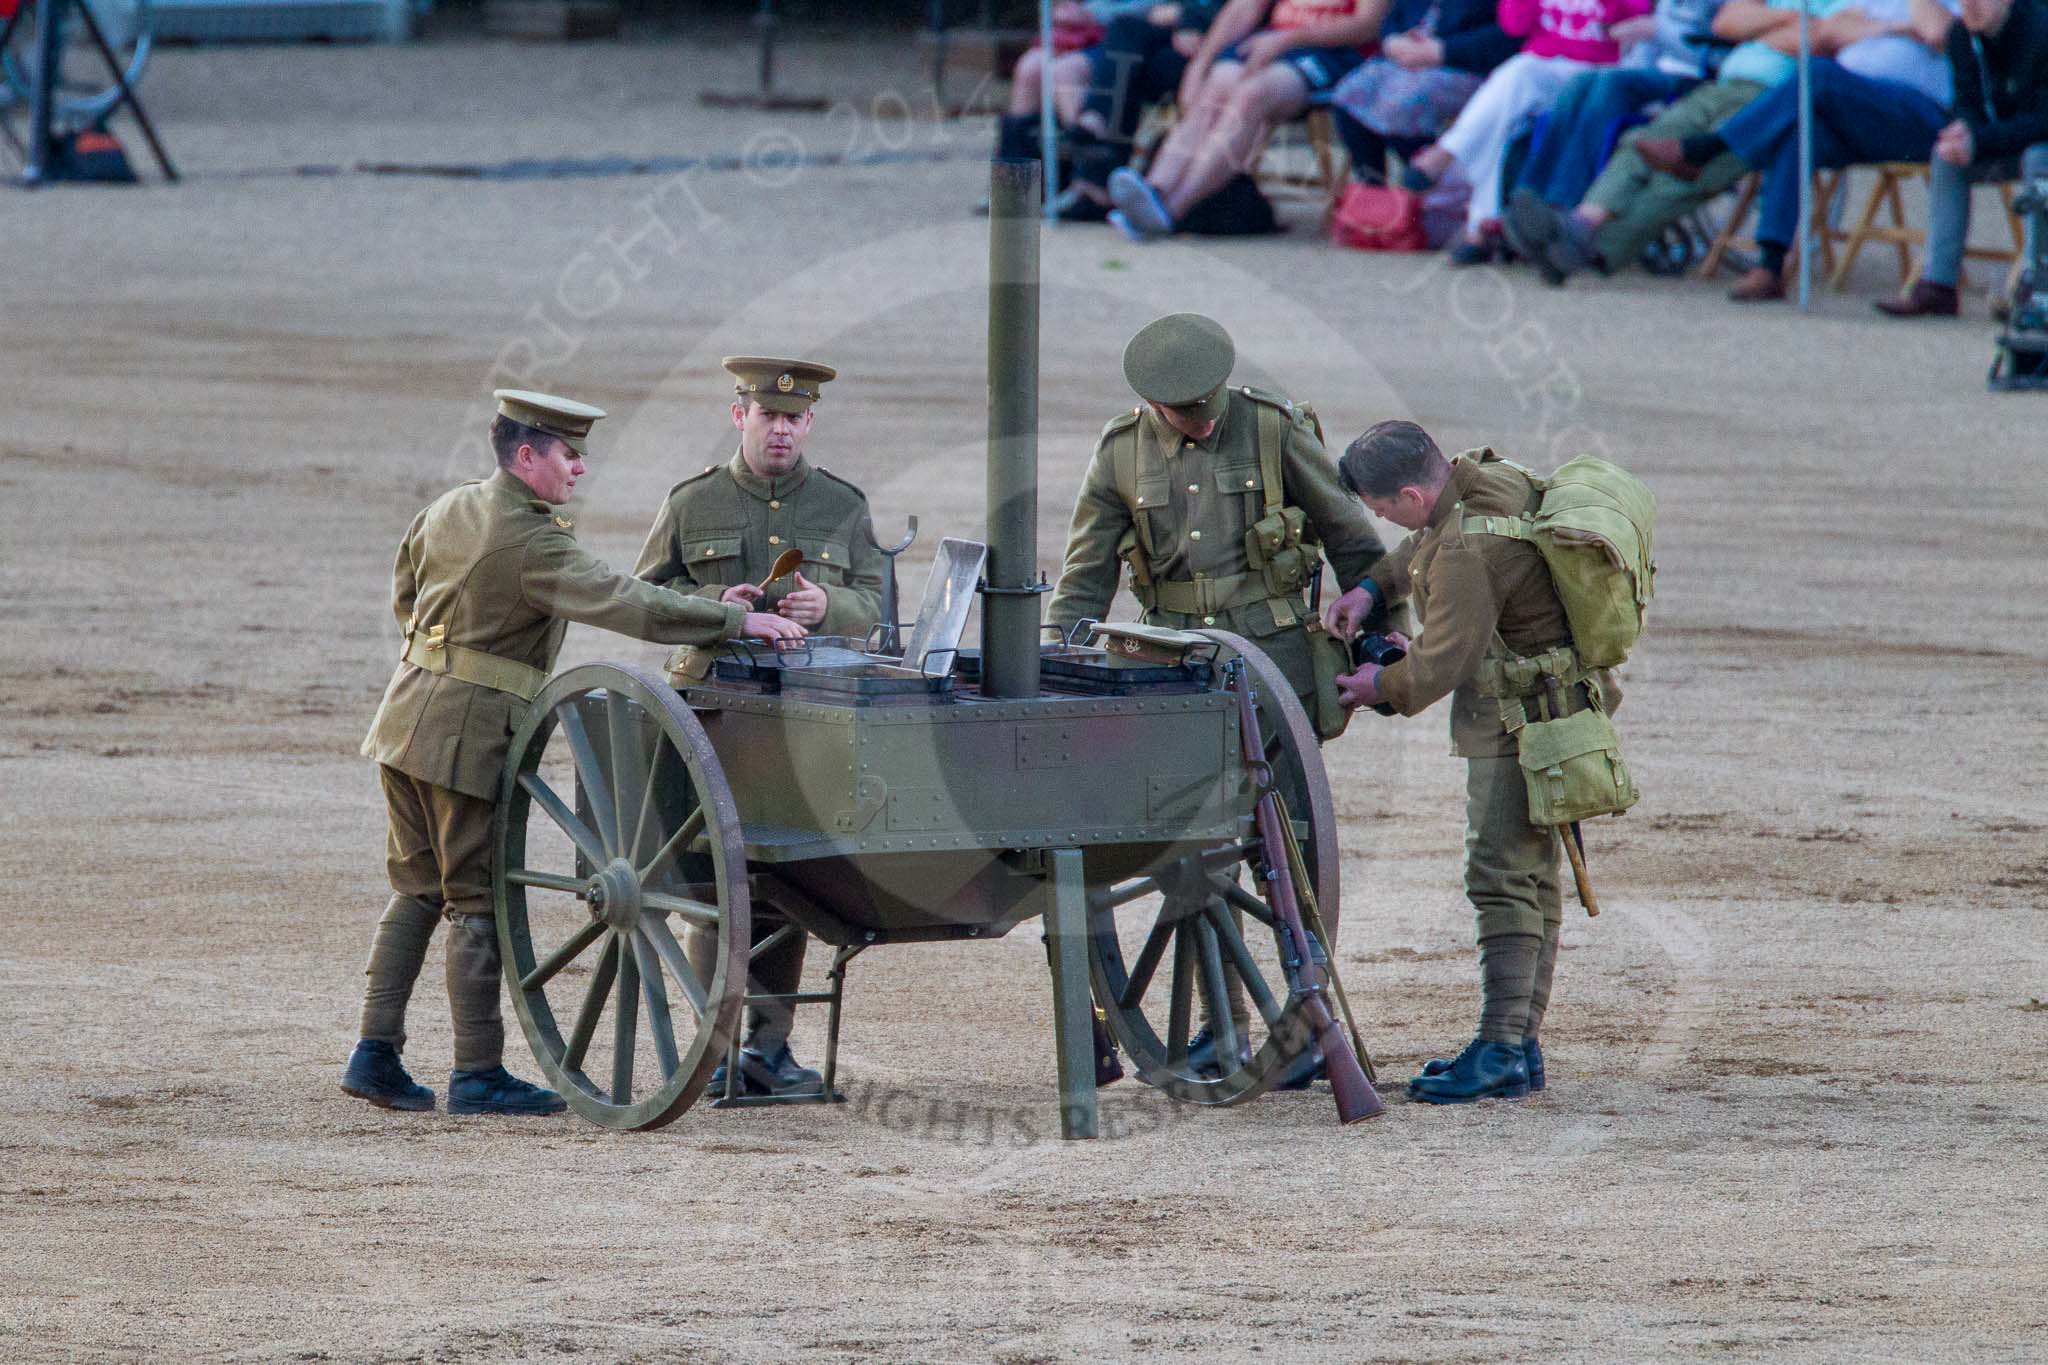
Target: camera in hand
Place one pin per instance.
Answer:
(1375, 648)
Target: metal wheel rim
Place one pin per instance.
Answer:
(1287, 1034)
(618, 953)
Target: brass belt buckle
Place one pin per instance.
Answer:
(436, 636)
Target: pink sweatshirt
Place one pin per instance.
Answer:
(1569, 28)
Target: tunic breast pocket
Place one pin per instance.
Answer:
(825, 558)
(713, 559)
(1240, 491)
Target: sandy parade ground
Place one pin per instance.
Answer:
(1797, 1067)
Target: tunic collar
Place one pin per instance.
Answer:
(1171, 439)
(1464, 474)
(510, 485)
(768, 489)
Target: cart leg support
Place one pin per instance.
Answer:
(1066, 929)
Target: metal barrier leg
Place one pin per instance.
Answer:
(1066, 930)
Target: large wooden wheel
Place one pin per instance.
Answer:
(617, 840)
(1197, 936)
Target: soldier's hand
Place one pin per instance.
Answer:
(1347, 614)
(742, 595)
(766, 625)
(805, 605)
(1359, 689)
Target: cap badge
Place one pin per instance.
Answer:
(784, 382)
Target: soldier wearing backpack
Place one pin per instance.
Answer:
(1524, 597)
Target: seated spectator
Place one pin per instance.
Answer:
(1138, 63)
(1671, 59)
(1882, 96)
(1631, 203)
(1241, 82)
(1998, 57)
(1565, 38)
(1432, 58)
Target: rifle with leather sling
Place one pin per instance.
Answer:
(1302, 957)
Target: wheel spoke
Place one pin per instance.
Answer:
(1182, 999)
(678, 962)
(685, 834)
(562, 956)
(659, 1025)
(625, 1027)
(629, 769)
(1240, 956)
(1216, 995)
(1111, 897)
(1241, 899)
(593, 1005)
(1147, 964)
(588, 844)
(647, 802)
(547, 881)
(596, 786)
(697, 912)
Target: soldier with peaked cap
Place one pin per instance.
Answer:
(1221, 503)
(718, 536)
(487, 579)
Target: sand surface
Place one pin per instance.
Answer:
(1797, 1066)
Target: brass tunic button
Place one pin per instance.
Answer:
(1208, 620)
(775, 540)
(1194, 488)
(777, 505)
(824, 554)
(1194, 535)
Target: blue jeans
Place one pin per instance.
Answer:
(1948, 208)
(1855, 120)
(1573, 146)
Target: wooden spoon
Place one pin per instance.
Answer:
(786, 563)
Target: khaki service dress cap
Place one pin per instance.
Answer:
(562, 417)
(1182, 361)
(789, 386)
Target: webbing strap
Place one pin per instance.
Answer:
(1514, 528)
(1207, 596)
(1272, 440)
(434, 655)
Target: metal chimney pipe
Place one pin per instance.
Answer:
(1010, 606)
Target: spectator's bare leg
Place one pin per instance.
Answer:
(1024, 82)
(1193, 131)
(1255, 105)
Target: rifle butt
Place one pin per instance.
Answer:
(1356, 1099)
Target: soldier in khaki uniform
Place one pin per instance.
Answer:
(487, 580)
(1222, 503)
(1481, 598)
(718, 536)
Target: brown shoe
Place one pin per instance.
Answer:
(1923, 300)
(1759, 285)
(1665, 154)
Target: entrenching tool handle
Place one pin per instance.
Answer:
(1575, 850)
(1356, 1099)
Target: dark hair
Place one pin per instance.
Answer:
(1390, 456)
(507, 435)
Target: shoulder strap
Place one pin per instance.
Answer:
(1122, 437)
(1272, 441)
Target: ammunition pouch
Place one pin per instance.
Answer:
(432, 653)
(1571, 763)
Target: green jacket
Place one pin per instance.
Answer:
(1191, 505)
(727, 525)
(498, 571)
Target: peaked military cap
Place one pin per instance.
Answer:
(562, 417)
(789, 386)
(1182, 361)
